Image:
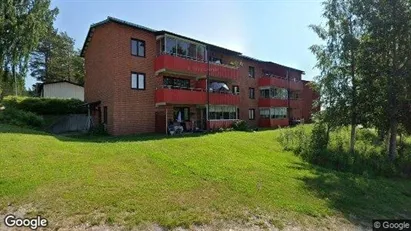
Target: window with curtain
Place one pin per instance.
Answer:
(218, 112)
(265, 113)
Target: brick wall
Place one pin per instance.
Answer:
(109, 64)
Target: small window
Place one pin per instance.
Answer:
(251, 114)
(138, 48)
(236, 90)
(105, 114)
(138, 81)
(251, 93)
(251, 72)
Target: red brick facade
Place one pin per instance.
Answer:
(109, 64)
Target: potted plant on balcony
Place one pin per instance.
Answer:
(236, 64)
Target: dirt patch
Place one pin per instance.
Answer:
(96, 222)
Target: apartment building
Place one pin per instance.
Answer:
(139, 80)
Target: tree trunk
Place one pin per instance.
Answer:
(392, 147)
(352, 141)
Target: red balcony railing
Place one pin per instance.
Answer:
(193, 96)
(265, 122)
(276, 82)
(179, 65)
(224, 99)
(179, 96)
(268, 102)
(280, 82)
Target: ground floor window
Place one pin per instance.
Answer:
(222, 112)
(251, 114)
(181, 114)
(274, 113)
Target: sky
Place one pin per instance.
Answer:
(270, 30)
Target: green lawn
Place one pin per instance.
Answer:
(180, 181)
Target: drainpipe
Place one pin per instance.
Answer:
(208, 89)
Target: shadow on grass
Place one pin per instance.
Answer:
(358, 198)
(85, 137)
(125, 138)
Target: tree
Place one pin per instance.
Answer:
(337, 60)
(55, 59)
(22, 25)
(387, 63)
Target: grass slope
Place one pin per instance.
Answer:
(181, 181)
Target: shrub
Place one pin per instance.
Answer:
(240, 125)
(20, 118)
(45, 106)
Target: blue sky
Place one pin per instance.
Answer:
(275, 30)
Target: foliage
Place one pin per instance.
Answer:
(240, 125)
(365, 71)
(20, 118)
(22, 25)
(56, 59)
(45, 106)
(368, 158)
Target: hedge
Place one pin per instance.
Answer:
(20, 118)
(45, 106)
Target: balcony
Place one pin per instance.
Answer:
(179, 96)
(280, 82)
(178, 65)
(224, 99)
(266, 122)
(271, 102)
(276, 82)
(165, 96)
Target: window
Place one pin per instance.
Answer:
(251, 72)
(182, 47)
(265, 113)
(183, 112)
(274, 93)
(218, 112)
(171, 45)
(278, 112)
(201, 53)
(138, 81)
(138, 48)
(238, 113)
(105, 115)
(265, 93)
(251, 114)
(251, 93)
(236, 90)
(176, 82)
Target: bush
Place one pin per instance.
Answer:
(45, 106)
(369, 159)
(20, 118)
(240, 125)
